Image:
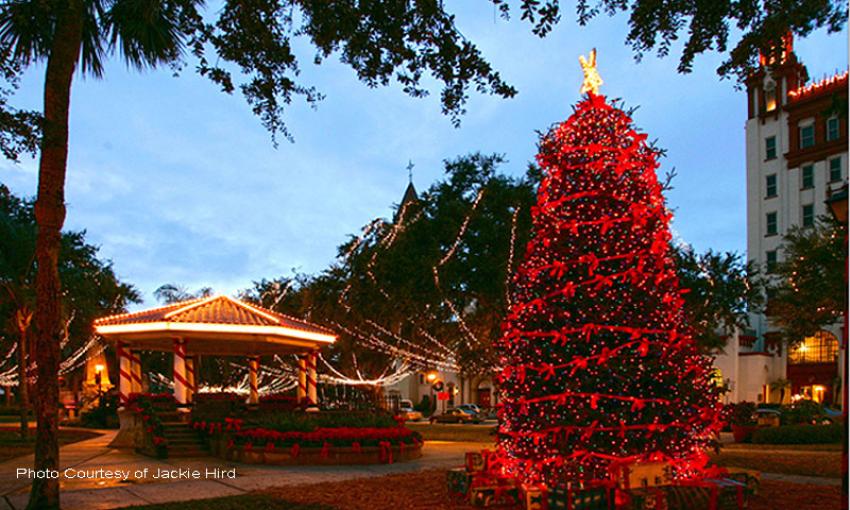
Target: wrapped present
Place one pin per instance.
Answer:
(642, 475)
(581, 498)
(534, 497)
(475, 462)
(649, 498)
(720, 494)
(495, 495)
(458, 481)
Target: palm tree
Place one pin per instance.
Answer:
(254, 37)
(782, 385)
(65, 34)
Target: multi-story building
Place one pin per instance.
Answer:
(796, 155)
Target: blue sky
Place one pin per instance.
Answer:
(177, 182)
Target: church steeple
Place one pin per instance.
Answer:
(410, 196)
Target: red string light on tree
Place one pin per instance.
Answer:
(599, 369)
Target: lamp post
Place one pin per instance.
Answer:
(431, 377)
(837, 202)
(98, 379)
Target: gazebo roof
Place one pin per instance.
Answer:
(215, 325)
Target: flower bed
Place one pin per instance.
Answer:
(148, 407)
(233, 440)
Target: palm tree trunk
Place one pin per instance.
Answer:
(50, 215)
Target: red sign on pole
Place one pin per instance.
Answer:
(443, 395)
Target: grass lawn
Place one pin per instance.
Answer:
(828, 447)
(777, 459)
(246, 502)
(12, 446)
(427, 490)
(452, 432)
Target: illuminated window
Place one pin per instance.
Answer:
(772, 224)
(770, 98)
(832, 129)
(807, 136)
(809, 215)
(770, 186)
(835, 169)
(770, 147)
(807, 176)
(820, 348)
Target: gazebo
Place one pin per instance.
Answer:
(212, 326)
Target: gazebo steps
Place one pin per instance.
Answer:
(183, 441)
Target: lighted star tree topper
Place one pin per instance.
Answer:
(599, 369)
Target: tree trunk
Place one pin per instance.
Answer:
(50, 215)
(23, 321)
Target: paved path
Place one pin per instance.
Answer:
(100, 490)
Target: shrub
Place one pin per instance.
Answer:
(803, 412)
(279, 401)
(742, 414)
(424, 405)
(799, 434)
(215, 407)
(338, 436)
(227, 396)
(10, 411)
(102, 416)
(305, 422)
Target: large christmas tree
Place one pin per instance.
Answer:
(599, 370)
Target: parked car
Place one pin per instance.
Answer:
(455, 415)
(470, 408)
(407, 411)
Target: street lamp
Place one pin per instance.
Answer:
(837, 203)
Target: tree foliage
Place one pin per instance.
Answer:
(91, 287)
(808, 290)
(385, 277)
(702, 25)
(722, 291)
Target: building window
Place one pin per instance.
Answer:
(835, 169)
(772, 225)
(821, 348)
(770, 147)
(770, 259)
(809, 215)
(807, 175)
(807, 136)
(770, 186)
(832, 129)
(770, 98)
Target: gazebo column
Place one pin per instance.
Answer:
(192, 387)
(312, 397)
(181, 381)
(136, 370)
(253, 388)
(125, 373)
(301, 390)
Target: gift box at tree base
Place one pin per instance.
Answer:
(482, 482)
